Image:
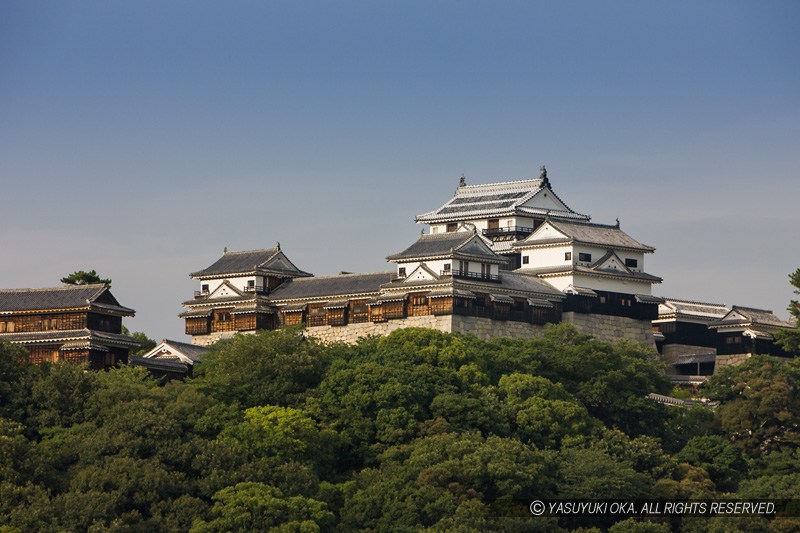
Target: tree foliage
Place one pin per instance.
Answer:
(790, 340)
(416, 430)
(83, 277)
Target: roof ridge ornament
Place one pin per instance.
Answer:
(462, 182)
(543, 176)
(617, 222)
(278, 245)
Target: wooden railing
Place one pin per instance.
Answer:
(473, 275)
(511, 230)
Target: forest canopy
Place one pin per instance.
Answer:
(419, 429)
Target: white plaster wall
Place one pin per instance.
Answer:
(240, 282)
(545, 200)
(547, 257)
(611, 284)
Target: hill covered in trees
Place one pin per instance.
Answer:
(419, 429)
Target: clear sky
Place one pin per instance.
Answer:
(141, 138)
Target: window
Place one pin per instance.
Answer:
(587, 258)
(632, 263)
(447, 267)
(204, 287)
(251, 283)
(525, 259)
(418, 299)
(224, 317)
(451, 228)
(401, 272)
(568, 256)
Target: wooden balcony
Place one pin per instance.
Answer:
(471, 275)
(256, 288)
(510, 232)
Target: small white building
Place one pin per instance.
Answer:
(572, 254)
(502, 212)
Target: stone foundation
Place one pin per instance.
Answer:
(612, 328)
(486, 328)
(730, 360)
(211, 338)
(603, 328)
(352, 332)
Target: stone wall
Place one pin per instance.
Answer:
(486, 328)
(352, 332)
(612, 328)
(730, 360)
(211, 338)
(604, 328)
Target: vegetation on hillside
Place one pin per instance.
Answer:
(417, 430)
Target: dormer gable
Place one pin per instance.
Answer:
(225, 290)
(464, 243)
(545, 199)
(610, 262)
(547, 232)
(421, 273)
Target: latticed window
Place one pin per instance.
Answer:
(336, 316)
(441, 306)
(394, 309)
(316, 315)
(359, 311)
(418, 299)
(293, 318)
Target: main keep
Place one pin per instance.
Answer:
(498, 260)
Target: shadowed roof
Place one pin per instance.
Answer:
(67, 297)
(325, 286)
(588, 233)
(251, 261)
(445, 244)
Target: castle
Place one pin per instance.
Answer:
(497, 260)
(500, 259)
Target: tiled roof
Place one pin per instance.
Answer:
(590, 233)
(248, 261)
(694, 358)
(689, 308)
(566, 269)
(443, 244)
(494, 199)
(750, 315)
(326, 286)
(67, 297)
(191, 351)
(517, 281)
(158, 364)
(70, 334)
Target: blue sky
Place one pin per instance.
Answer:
(140, 138)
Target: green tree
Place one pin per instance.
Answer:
(82, 277)
(719, 457)
(255, 506)
(15, 378)
(268, 368)
(145, 343)
(760, 403)
(790, 340)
